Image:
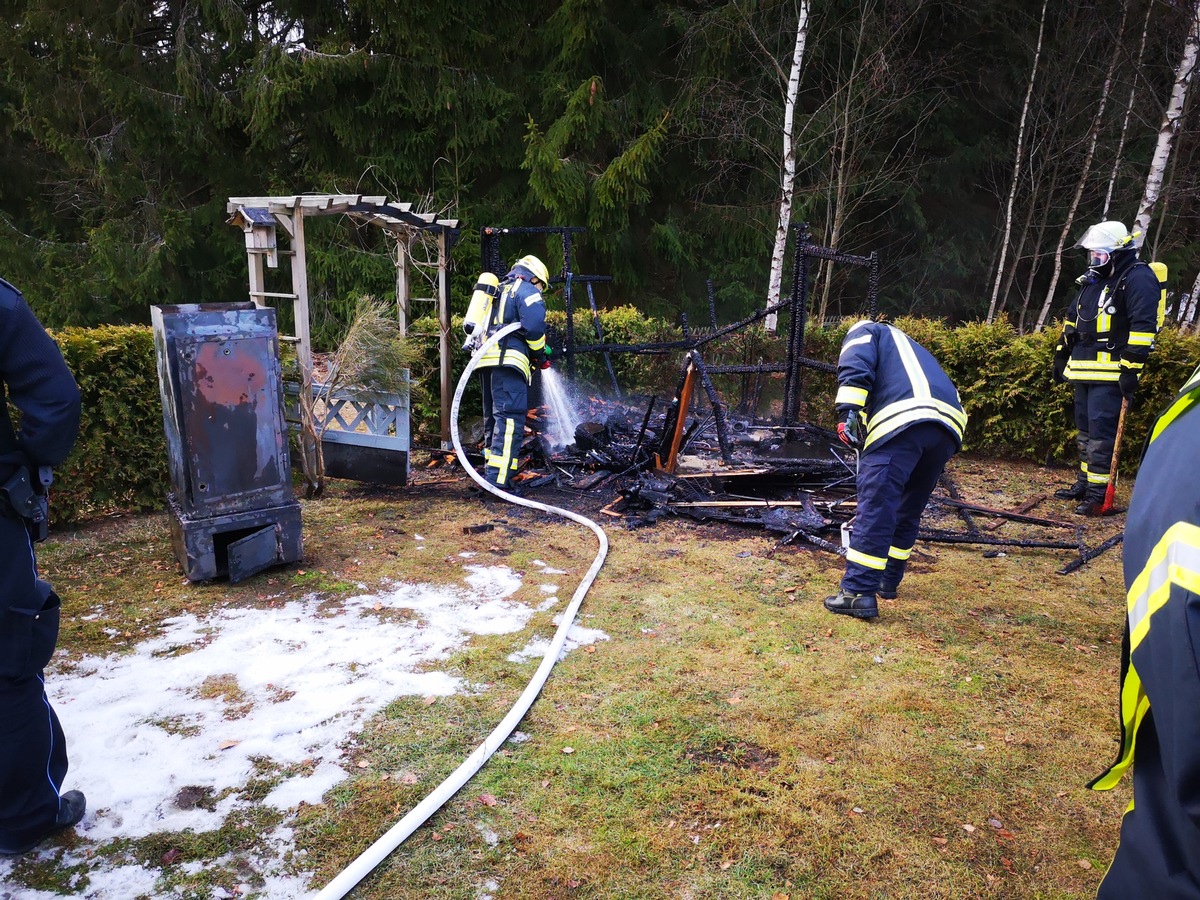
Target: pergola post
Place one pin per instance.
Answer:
(403, 290)
(300, 289)
(443, 304)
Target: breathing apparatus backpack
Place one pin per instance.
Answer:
(1160, 272)
(479, 310)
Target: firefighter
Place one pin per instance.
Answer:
(1159, 851)
(506, 368)
(902, 413)
(33, 753)
(1105, 342)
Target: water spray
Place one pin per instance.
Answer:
(358, 869)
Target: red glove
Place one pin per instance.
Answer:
(849, 430)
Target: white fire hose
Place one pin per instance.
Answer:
(345, 881)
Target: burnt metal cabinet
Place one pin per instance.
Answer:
(231, 505)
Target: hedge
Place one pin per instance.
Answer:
(1015, 409)
(120, 460)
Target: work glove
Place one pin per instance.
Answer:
(1132, 360)
(1061, 355)
(1128, 382)
(542, 359)
(849, 430)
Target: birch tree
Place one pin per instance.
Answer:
(1170, 123)
(1012, 191)
(1093, 137)
(1116, 166)
(788, 177)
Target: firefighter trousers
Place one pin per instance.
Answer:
(505, 407)
(894, 484)
(1097, 411)
(33, 752)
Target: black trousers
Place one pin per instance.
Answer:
(895, 481)
(505, 406)
(1097, 410)
(33, 753)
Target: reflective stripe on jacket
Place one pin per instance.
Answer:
(519, 301)
(895, 382)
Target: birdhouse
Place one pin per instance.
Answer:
(258, 226)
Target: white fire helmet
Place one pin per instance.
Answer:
(1106, 237)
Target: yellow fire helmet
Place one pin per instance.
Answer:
(536, 268)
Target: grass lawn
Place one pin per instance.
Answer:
(731, 739)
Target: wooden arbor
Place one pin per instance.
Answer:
(258, 217)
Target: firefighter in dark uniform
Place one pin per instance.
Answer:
(1159, 851)
(33, 753)
(506, 368)
(897, 407)
(1105, 342)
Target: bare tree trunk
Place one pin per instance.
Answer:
(788, 180)
(841, 175)
(1035, 260)
(1186, 315)
(1112, 178)
(1171, 121)
(1093, 136)
(1033, 269)
(1012, 191)
(1018, 253)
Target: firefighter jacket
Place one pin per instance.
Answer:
(1111, 322)
(1159, 850)
(519, 301)
(35, 378)
(894, 382)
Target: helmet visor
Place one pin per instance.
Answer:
(1098, 258)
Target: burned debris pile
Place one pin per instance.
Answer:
(641, 458)
(797, 482)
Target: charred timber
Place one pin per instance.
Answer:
(1087, 556)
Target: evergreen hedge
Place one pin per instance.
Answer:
(1015, 409)
(120, 459)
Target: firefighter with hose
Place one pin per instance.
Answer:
(506, 368)
(1105, 342)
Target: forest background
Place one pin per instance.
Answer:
(659, 125)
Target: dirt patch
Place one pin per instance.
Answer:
(739, 754)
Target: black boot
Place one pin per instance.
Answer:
(861, 606)
(1093, 501)
(71, 806)
(1075, 491)
(885, 593)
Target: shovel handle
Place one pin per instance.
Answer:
(1110, 492)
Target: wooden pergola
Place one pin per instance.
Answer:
(258, 218)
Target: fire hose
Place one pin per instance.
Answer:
(345, 881)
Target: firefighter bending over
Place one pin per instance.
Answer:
(1159, 851)
(896, 406)
(1105, 342)
(506, 369)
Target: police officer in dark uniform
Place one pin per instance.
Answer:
(902, 412)
(33, 753)
(506, 368)
(1159, 851)
(1105, 342)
